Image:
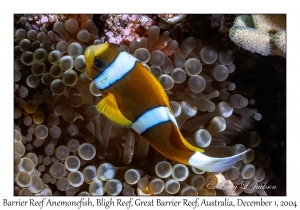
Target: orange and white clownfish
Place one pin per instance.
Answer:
(133, 97)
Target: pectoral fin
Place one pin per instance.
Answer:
(109, 107)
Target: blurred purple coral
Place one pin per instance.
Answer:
(126, 31)
(109, 34)
(125, 28)
(125, 17)
(35, 27)
(46, 20)
(133, 17)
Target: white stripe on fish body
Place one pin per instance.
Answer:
(172, 118)
(122, 65)
(153, 117)
(213, 164)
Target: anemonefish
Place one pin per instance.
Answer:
(133, 97)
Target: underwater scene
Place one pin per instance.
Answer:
(160, 104)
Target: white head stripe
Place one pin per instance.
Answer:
(121, 66)
(153, 117)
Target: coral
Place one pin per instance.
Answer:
(166, 20)
(263, 34)
(38, 20)
(171, 18)
(64, 146)
(123, 29)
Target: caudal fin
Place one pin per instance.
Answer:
(213, 164)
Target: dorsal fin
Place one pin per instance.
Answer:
(166, 100)
(161, 90)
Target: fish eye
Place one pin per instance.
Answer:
(99, 63)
